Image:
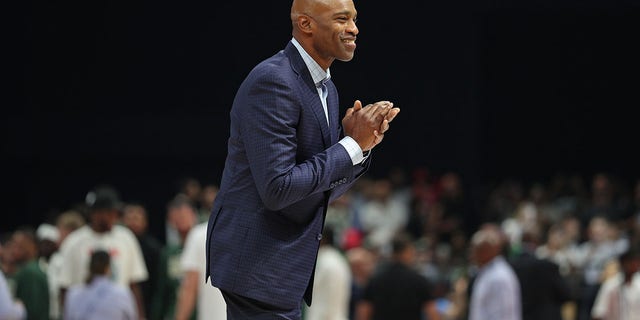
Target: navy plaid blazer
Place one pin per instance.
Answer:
(283, 167)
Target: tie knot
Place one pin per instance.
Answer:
(322, 82)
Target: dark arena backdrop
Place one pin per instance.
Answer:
(136, 94)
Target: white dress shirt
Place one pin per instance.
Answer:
(496, 293)
(318, 74)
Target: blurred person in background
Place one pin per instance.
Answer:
(591, 256)
(400, 184)
(455, 206)
(543, 289)
(573, 231)
(66, 222)
(195, 295)
(396, 290)
(3, 250)
(183, 216)
(555, 249)
(102, 233)
(635, 208)
(31, 286)
(48, 238)
(135, 217)
(207, 196)
(619, 297)
(358, 196)
(7, 263)
(382, 216)
(568, 196)
(524, 219)
(10, 308)
(495, 291)
(503, 200)
(332, 285)
(538, 196)
(99, 297)
(48, 241)
(604, 200)
(339, 217)
(421, 214)
(362, 263)
(453, 305)
(191, 188)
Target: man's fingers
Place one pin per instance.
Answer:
(384, 126)
(349, 112)
(378, 109)
(383, 102)
(357, 105)
(378, 137)
(392, 114)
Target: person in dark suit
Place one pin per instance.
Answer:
(289, 156)
(397, 290)
(544, 290)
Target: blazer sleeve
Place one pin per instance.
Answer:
(272, 133)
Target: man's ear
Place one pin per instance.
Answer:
(304, 23)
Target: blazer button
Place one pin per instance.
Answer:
(319, 237)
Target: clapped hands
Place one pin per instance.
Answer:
(367, 125)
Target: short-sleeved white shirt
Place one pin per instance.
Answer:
(618, 300)
(332, 286)
(210, 303)
(127, 262)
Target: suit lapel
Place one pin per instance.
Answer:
(318, 111)
(310, 93)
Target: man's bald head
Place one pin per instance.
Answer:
(486, 244)
(304, 7)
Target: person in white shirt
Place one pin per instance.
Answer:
(49, 239)
(495, 293)
(619, 297)
(332, 285)
(194, 290)
(102, 233)
(9, 308)
(66, 223)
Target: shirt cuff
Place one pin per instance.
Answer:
(354, 150)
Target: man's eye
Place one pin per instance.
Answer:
(346, 19)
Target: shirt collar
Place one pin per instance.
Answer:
(318, 74)
(490, 264)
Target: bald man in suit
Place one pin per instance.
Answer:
(289, 156)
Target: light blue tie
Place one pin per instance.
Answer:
(323, 83)
(325, 93)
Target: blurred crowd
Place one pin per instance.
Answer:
(408, 245)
